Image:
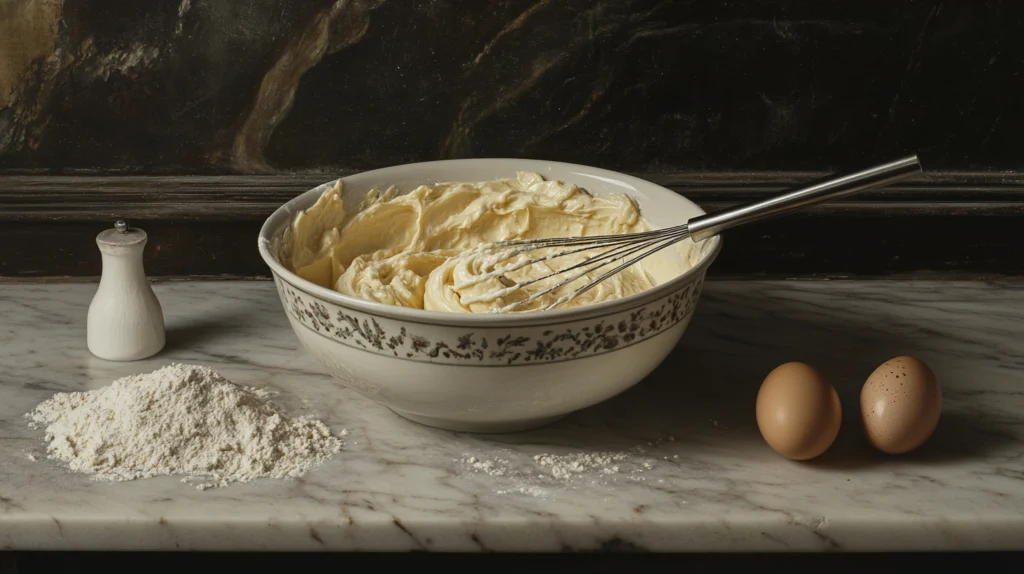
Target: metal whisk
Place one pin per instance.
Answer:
(624, 250)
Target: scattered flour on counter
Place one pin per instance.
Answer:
(565, 466)
(534, 491)
(181, 420)
(495, 467)
(544, 472)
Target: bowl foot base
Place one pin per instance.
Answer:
(480, 427)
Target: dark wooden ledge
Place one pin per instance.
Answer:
(959, 223)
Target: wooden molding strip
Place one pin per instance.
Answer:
(956, 224)
(83, 198)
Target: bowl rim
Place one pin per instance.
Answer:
(283, 214)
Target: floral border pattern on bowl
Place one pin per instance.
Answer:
(490, 346)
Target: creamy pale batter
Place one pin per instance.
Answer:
(405, 249)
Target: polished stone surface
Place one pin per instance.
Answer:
(696, 475)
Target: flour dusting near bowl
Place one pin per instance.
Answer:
(567, 466)
(545, 473)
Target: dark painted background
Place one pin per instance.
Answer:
(649, 86)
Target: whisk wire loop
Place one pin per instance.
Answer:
(625, 250)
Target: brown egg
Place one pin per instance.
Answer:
(900, 405)
(798, 411)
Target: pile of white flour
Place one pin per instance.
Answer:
(180, 420)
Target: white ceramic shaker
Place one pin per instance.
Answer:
(126, 322)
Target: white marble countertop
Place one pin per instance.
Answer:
(699, 477)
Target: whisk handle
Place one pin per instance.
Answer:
(834, 187)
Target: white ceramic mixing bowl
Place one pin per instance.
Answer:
(490, 373)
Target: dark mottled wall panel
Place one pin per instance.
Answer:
(245, 86)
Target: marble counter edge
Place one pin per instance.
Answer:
(394, 535)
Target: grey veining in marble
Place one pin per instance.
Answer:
(400, 486)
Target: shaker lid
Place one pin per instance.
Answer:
(121, 236)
